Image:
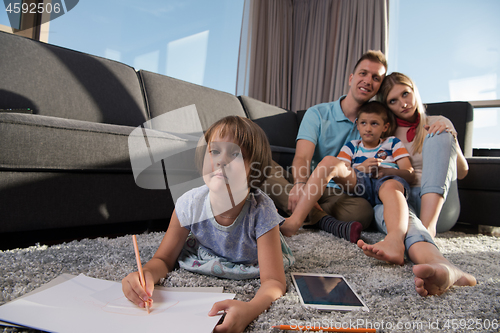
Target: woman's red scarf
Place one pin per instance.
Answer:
(410, 134)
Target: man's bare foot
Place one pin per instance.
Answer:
(390, 249)
(290, 227)
(436, 278)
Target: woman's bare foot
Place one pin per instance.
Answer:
(436, 278)
(290, 227)
(390, 249)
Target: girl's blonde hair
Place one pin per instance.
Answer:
(249, 137)
(399, 78)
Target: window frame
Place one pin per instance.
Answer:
(31, 26)
(485, 152)
(492, 103)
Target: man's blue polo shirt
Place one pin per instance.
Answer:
(328, 128)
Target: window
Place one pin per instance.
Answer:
(451, 49)
(4, 20)
(192, 40)
(486, 126)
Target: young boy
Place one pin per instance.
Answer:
(377, 168)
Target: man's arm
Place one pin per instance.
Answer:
(301, 169)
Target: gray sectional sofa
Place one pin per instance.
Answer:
(64, 127)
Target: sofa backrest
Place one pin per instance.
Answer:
(280, 125)
(164, 94)
(58, 82)
(461, 115)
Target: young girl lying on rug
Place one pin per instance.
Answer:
(225, 228)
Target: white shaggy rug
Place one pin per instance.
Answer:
(387, 290)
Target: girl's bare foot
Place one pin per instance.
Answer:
(390, 249)
(436, 278)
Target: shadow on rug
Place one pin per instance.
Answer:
(387, 290)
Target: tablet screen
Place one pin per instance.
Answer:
(326, 292)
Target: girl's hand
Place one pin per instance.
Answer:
(295, 195)
(236, 317)
(133, 290)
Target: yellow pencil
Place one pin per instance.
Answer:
(139, 266)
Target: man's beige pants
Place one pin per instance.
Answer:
(334, 202)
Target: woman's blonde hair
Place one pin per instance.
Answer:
(399, 78)
(249, 137)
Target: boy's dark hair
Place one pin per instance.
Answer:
(375, 107)
(375, 56)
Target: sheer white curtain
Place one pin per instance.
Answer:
(298, 53)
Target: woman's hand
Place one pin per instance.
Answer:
(236, 317)
(437, 128)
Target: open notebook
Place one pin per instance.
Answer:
(84, 304)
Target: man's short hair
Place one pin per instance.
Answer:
(375, 56)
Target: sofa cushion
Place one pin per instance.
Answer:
(482, 174)
(164, 94)
(59, 82)
(33, 142)
(479, 207)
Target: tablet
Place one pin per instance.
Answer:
(326, 292)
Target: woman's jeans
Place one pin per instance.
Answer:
(439, 175)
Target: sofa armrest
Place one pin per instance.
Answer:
(283, 155)
(279, 149)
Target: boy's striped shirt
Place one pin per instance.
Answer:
(390, 150)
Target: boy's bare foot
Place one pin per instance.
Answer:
(290, 227)
(432, 232)
(436, 278)
(390, 249)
